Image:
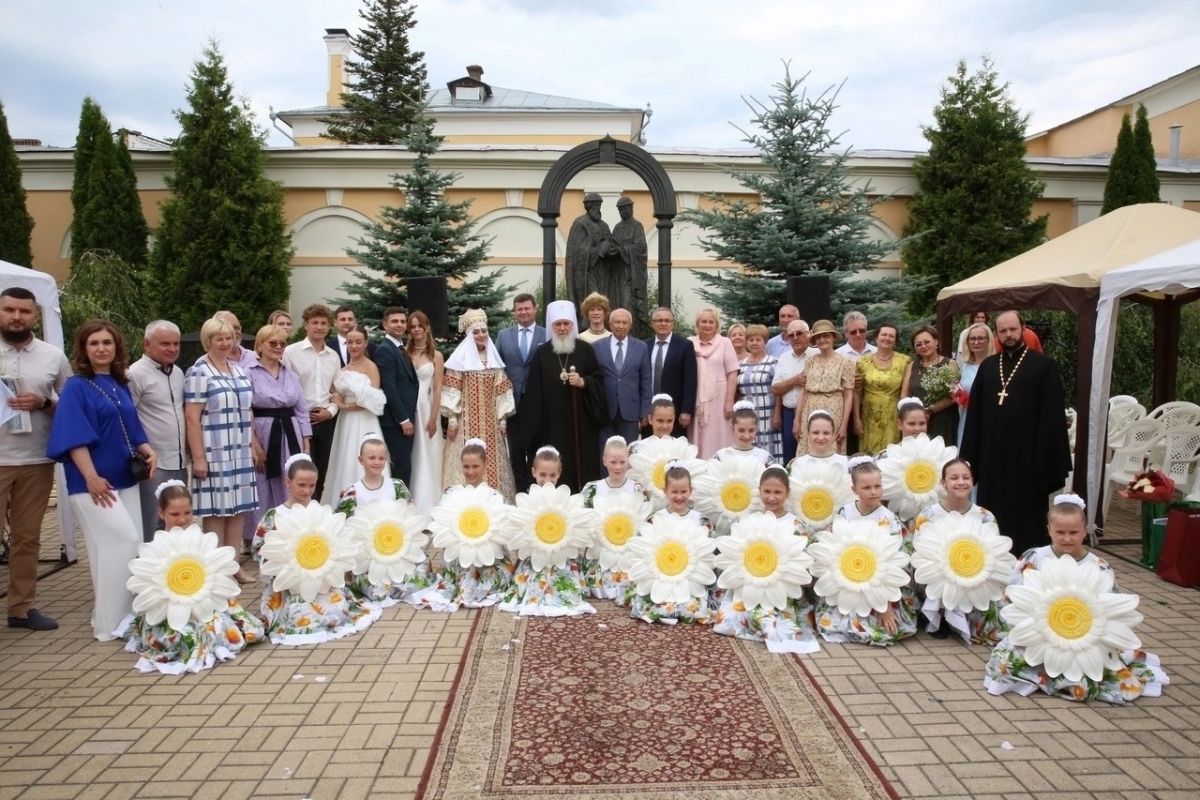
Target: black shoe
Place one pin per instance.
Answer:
(34, 621)
(943, 630)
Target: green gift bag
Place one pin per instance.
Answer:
(1152, 543)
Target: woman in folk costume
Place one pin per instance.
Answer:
(477, 399)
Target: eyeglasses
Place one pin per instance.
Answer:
(797, 334)
(976, 338)
(856, 332)
(275, 343)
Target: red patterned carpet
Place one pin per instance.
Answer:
(605, 706)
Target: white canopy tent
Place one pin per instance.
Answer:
(1172, 272)
(45, 291)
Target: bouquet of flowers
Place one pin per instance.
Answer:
(1151, 486)
(938, 382)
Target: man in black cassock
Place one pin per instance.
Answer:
(563, 405)
(1015, 437)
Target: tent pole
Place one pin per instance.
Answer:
(1166, 349)
(1085, 341)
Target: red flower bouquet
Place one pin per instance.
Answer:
(1151, 486)
(961, 396)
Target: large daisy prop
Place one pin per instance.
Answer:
(859, 566)
(962, 561)
(550, 526)
(182, 576)
(618, 517)
(671, 560)
(818, 491)
(309, 551)
(390, 541)
(912, 472)
(648, 462)
(728, 490)
(763, 562)
(469, 524)
(1067, 617)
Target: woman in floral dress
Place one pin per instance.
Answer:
(875, 400)
(829, 387)
(755, 373)
(932, 378)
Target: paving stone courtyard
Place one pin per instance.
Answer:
(356, 718)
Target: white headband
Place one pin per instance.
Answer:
(475, 443)
(371, 436)
(675, 462)
(287, 465)
(909, 401)
(858, 461)
(740, 404)
(820, 412)
(617, 439)
(1072, 499)
(547, 449)
(662, 396)
(162, 487)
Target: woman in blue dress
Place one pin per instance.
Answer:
(974, 345)
(755, 373)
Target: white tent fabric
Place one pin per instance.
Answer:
(1169, 272)
(45, 290)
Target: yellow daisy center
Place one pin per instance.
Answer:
(473, 523)
(312, 552)
(920, 477)
(858, 563)
(1069, 617)
(389, 538)
(966, 558)
(817, 504)
(761, 559)
(671, 558)
(618, 529)
(735, 497)
(659, 475)
(185, 576)
(550, 528)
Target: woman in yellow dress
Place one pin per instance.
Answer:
(878, 392)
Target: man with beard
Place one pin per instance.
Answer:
(1015, 437)
(34, 373)
(564, 404)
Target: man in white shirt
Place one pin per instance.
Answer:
(316, 366)
(789, 380)
(777, 345)
(156, 384)
(854, 326)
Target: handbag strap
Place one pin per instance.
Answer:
(120, 419)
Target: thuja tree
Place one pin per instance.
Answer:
(811, 219)
(111, 217)
(223, 242)
(92, 126)
(16, 225)
(1132, 169)
(975, 193)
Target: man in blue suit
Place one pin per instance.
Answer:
(672, 368)
(398, 380)
(517, 345)
(625, 362)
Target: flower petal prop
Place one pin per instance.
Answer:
(309, 551)
(648, 462)
(962, 561)
(183, 576)
(763, 562)
(1069, 620)
(818, 491)
(469, 523)
(618, 518)
(728, 490)
(390, 541)
(859, 566)
(912, 473)
(671, 560)
(550, 526)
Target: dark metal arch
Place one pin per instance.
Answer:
(607, 151)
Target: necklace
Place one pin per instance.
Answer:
(1003, 393)
(562, 362)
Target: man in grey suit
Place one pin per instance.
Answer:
(625, 362)
(517, 345)
(398, 380)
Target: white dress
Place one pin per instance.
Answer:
(426, 483)
(344, 469)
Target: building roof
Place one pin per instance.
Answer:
(501, 100)
(1129, 99)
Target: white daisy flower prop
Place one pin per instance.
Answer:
(859, 566)
(962, 561)
(390, 541)
(648, 462)
(728, 490)
(183, 576)
(912, 473)
(763, 562)
(618, 517)
(671, 560)
(1067, 617)
(550, 526)
(309, 551)
(469, 524)
(817, 491)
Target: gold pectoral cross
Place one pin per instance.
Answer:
(1001, 394)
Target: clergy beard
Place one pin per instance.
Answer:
(16, 337)
(563, 345)
(1013, 348)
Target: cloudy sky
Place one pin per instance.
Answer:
(692, 60)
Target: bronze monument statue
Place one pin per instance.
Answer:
(612, 263)
(630, 237)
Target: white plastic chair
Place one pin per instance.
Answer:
(1120, 400)
(1130, 458)
(1120, 417)
(1176, 414)
(1182, 454)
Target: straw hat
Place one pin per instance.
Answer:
(823, 326)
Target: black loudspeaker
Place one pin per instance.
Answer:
(429, 296)
(810, 294)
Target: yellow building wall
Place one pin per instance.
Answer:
(1095, 133)
(1061, 215)
(893, 212)
(1189, 117)
(333, 95)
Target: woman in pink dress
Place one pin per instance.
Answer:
(716, 385)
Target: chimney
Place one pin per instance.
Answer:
(475, 72)
(337, 45)
(1176, 138)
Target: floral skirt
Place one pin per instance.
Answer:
(696, 609)
(834, 626)
(555, 592)
(471, 587)
(786, 630)
(195, 648)
(291, 620)
(604, 584)
(1140, 675)
(974, 627)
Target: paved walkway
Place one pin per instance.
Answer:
(356, 718)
